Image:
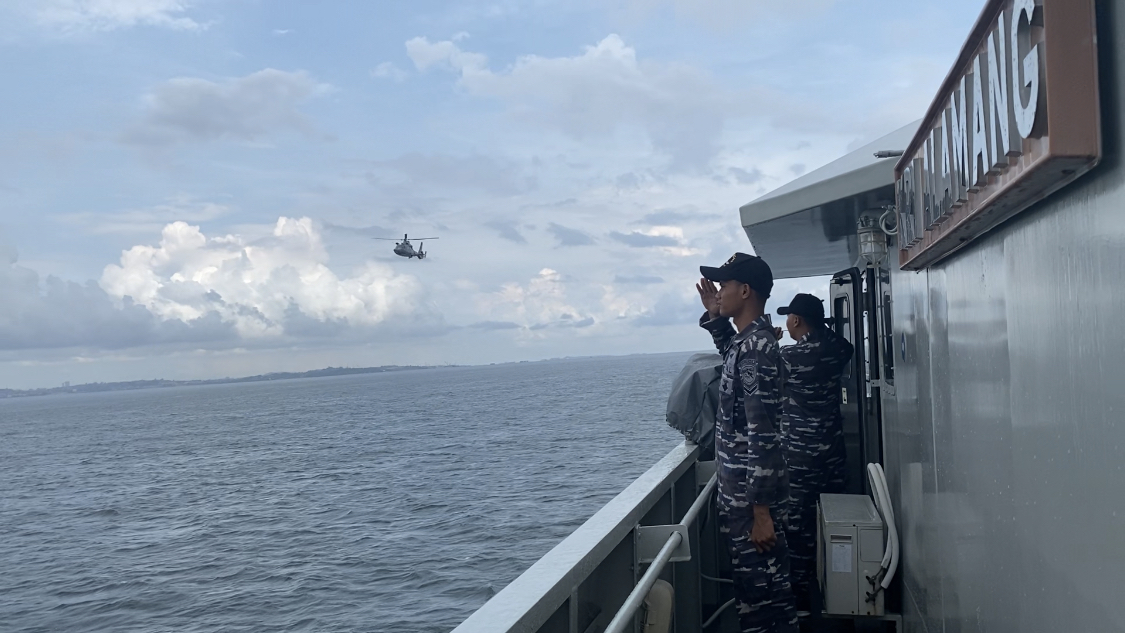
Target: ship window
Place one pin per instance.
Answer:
(888, 340)
(842, 324)
(842, 311)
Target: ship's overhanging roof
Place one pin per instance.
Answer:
(807, 227)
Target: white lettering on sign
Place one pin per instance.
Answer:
(980, 165)
(1005, 142)
(994, 106)
(1025, 97)
(957, 115)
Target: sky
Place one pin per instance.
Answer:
(189, 188)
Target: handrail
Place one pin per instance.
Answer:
(700, 501)
(529, 600)
(636, 597)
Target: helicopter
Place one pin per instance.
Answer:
(405, 249)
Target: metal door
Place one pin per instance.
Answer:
(847, 308)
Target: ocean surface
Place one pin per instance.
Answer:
(382, 502)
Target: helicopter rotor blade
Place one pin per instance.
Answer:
(425, 238)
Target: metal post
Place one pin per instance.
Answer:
(624, 617)
(700, 501)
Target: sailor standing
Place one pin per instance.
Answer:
(812, 428)
(753, 486)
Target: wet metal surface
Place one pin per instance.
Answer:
(1005, 439)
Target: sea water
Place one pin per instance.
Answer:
(382, 502)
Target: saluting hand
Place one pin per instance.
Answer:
(777, 333)
(709, 295)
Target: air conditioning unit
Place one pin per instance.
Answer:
(850, 545)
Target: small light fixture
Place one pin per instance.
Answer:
(872, 240)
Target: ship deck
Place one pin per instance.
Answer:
(661, 527)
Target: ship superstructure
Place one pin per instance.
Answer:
(974, 258)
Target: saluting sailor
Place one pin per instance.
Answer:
(753, 488)
(812, 426)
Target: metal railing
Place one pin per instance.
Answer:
(589, 582)
(675, 539)
(625, 615)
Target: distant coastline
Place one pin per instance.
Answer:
(131, 385)
(159, 383)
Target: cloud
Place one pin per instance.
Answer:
(743, 177)
(642, 240)
(447, 54)
(56, 313)
(569, 320)
(638, 279)
(108, 15)
(362, 231)
(667, 239)
(568, 236)
(249, 108)
(668, 217)
(387, 70)
(670, 309)
(151, 219)
(430, 171)
(507, 230)
(280, 32)
(211, 292)
(258, 288)
(627, 181)
(540, 304)
(604, 90)
(727, 15)
(495, 325)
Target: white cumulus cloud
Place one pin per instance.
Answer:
(54, 313)
(280, 285)
(246, 108)
(539, 304)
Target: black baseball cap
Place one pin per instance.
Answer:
(748, 269)
(806, 306)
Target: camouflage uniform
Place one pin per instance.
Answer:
(752, 472)
(813, 436)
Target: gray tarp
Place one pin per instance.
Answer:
(693, 403)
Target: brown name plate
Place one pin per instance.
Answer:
(1016, 119)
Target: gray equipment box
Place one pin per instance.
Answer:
(849, 548)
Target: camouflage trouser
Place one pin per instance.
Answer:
(761, 581)
(809, 476)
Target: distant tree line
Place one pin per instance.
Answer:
(92, 387)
